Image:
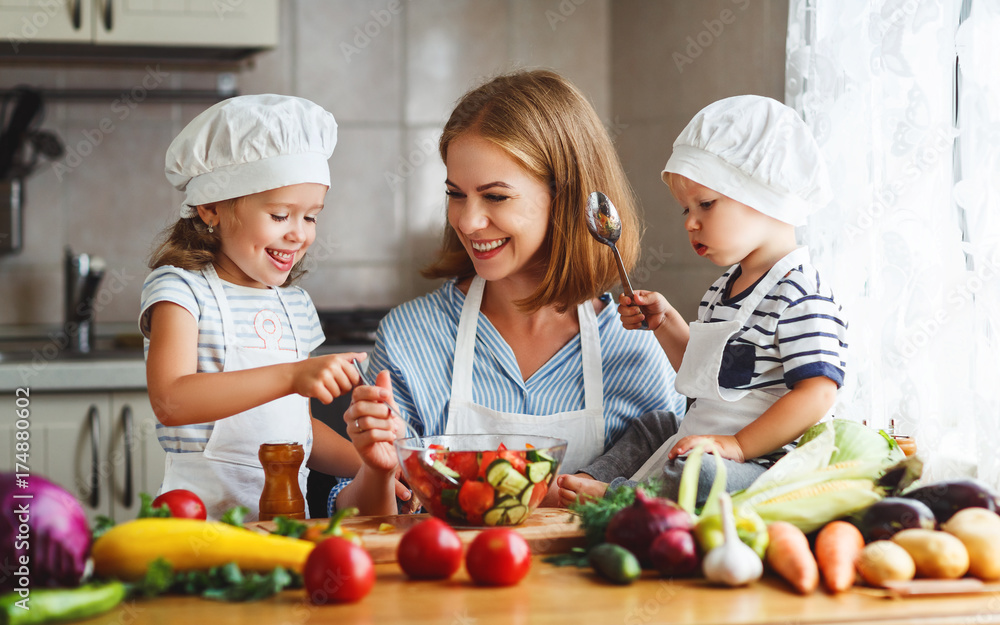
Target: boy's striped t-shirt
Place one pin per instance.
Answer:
(797, 332)
(190, 290)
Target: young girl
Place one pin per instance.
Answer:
(766, 357)
(227, 336)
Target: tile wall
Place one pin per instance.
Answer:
(391, 83)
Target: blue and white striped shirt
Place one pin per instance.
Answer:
(797, 332)
(416, 344)
(191, 290)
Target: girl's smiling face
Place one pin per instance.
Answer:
(266, 233)
(499, 211)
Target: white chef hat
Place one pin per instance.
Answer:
(756, 151)
(250, 144)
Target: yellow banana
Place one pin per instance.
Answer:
(126, 551)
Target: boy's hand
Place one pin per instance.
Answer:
(579, 487)
(654, 309)
(326, 377)
(372, 426)
(724, 446)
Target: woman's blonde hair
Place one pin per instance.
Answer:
(548, 126)
(189, 245)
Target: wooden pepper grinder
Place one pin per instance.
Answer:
(281, 495)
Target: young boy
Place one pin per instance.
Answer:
(767, 355)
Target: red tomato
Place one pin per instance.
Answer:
(538, 494)
(430, 550)
(475, 498)
(484, 463)
(464, 463)
(498, 557)
(338, 571)
(517, 459)
(183, 504)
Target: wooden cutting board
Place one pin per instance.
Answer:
(547, 530)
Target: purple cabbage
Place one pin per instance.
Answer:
(57, 543)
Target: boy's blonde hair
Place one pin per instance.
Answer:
(189, 245)
(547, 125)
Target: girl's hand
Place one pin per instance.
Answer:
(724, 446)
(372, 426)
(654, 309)
(327, 377)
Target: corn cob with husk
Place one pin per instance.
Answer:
(804, 489)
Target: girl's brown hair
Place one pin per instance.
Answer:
(547, 125)
(189, 245)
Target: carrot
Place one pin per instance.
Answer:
(838, 546)
(788, 555)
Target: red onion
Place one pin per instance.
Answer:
(637, 526)
(56, 542)
(674, 553)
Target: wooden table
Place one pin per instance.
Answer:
(555, 595)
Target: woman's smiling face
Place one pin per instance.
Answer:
(498, 209)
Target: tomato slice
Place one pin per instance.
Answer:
(517, 459)
(538, 494)
(487, 458)
(475, 498)
(464, 463)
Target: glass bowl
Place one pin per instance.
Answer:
(477, 480)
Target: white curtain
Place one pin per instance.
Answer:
(904, 99)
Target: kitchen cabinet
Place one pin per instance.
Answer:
(221, 23)
(101, 446)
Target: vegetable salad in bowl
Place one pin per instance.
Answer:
(480, 479)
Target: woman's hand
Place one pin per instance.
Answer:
(648, 305)
(723, 446)
(372, 426)
(327, 377)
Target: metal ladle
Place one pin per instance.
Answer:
(605, 226)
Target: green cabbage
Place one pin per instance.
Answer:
(855, 441)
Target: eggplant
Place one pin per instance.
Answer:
(948, 497)
(894, 514)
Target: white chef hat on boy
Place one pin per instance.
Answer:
(248, 144)
(756, 151)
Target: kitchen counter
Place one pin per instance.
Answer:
(555, 595)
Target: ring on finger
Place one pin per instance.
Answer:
(356, 426)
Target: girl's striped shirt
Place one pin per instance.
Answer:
(190, 289)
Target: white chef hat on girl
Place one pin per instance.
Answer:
(249, 144)
(756, 151)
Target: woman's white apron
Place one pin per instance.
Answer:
(584, 429)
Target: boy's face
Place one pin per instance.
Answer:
(267, 233)
(721, 229)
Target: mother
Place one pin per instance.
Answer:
(522, 337)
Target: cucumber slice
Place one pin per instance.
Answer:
(449, 497)
(525, 495)
(516, 515)
(537, 455)
(539, 471)
(506, 501)
(505, 478)
(495, 516)
(445, 470)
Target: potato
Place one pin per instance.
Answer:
(936, 554)
(884, 561)
(979, 531)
